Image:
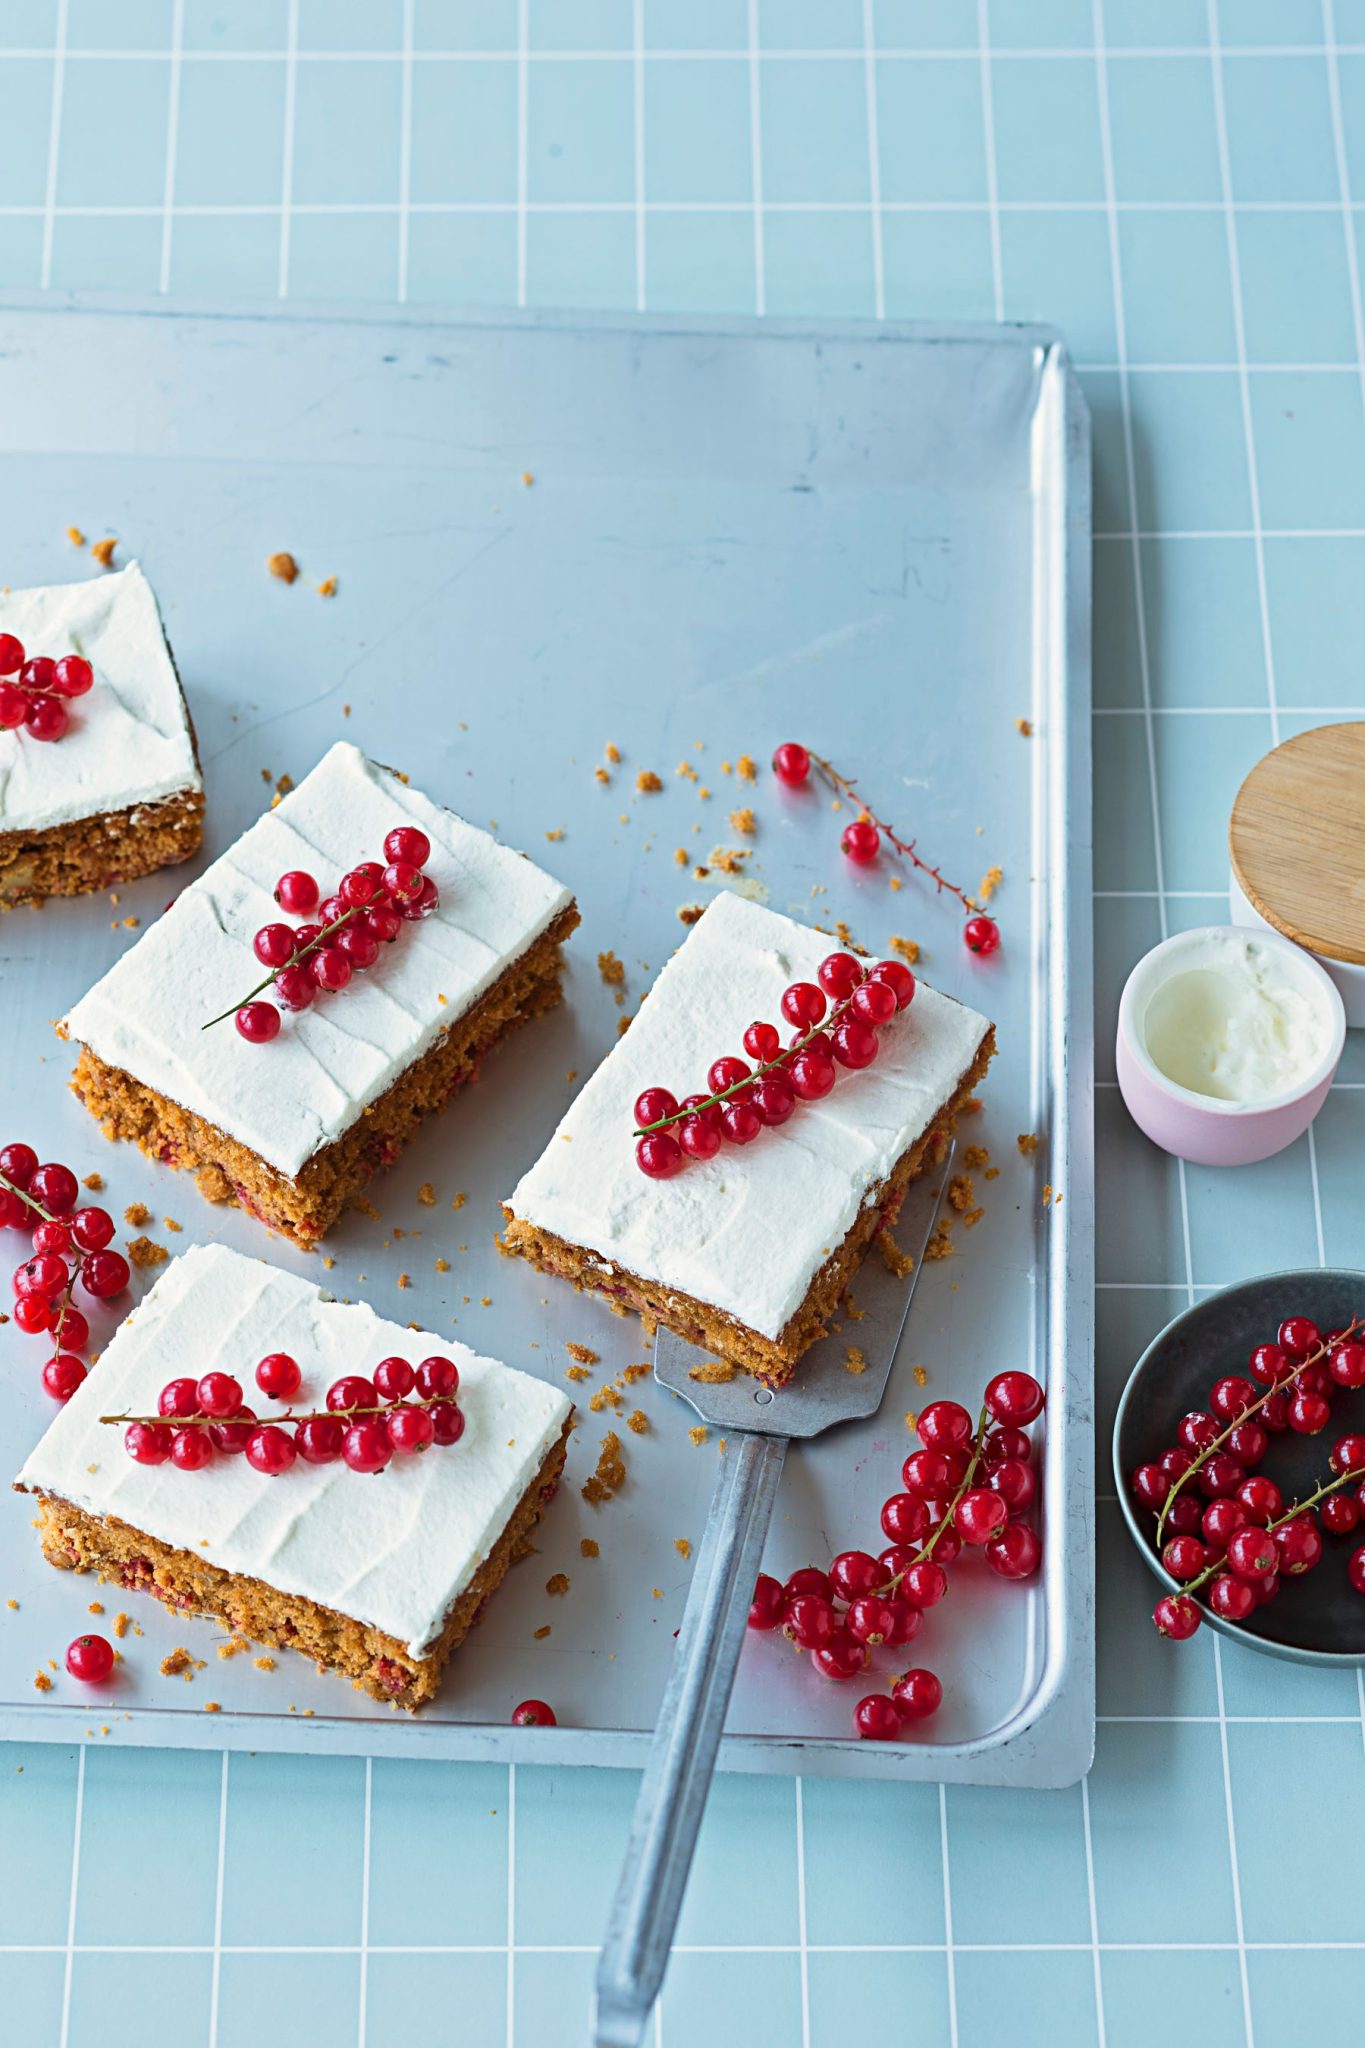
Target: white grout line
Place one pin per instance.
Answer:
(638, 56)
(54, 145)
(216, 1976)
(697, 1948)
(77, 1824)
(756, 162)
(405, 152)
(291, 94)
(1233, 1865)
(172, 146)
(874, 160)
(949, 1945)
(732, 53)
(1348, 221)
(512, 1859)
(801, 1924)
(1101, 2036)
(523, 138)
(363, 1994)
(1243, 380)
(983, 37)
(1360, 1695)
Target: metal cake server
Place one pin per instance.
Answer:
(758, 1424)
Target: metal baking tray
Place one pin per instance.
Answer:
(692, 540)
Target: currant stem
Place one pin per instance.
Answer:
(1299, 1507)
(294, 958)
(904, 847)
(782, 1059)
(24, 1196)
(1203, 1456)
(288, 1418)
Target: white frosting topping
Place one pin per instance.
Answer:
(288, 1099)
(747, 1231)
(393, 1550)
(129, 737)
(1236, 1018)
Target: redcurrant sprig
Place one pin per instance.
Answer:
(861, 840)
(68, 1244)
(34, 691)
(368, 910)
(744, 1098)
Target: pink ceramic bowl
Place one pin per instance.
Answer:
(1203, 1128)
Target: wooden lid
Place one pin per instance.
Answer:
(1297, 840)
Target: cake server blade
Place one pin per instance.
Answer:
(759, 1422)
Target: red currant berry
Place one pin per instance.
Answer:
(231, 1436)
(1196, 1430)
(270, 1450)
(1260, 1498)
(855, 1044)
(90, 1659)
(658, 1155)
(1268, 1364)
(917, 1695)
(698, 1138)
(1231, 1597)
(52, 1237)
(653, 1106)
(1298, 1336)
(1231, 1397)
(15, 1213)
(870, 1620)
(740, 1122)
(403, 880)
(296, 892)
(1006, 1443)
(14, 707)
(423, 903)
(926, 1473)
(1299, 1544)
(762, 1042)
(37, 672)
(179, 1398)
(768, 1605)
(278, 1376)
(1015, 1482)
(810, 1621)
(1273, 1413)
(11, 654)
(62, 1374)
(853, 1572)
(382, 924)
(191, 1449)
(46, 718)
(1355, 1569)
(1348, 1454)
(727, 1072)
(1251, 1552)
(306, 935)
(1308, 1412)
(18, 1163)
(981, 935)
(1220, 1519)
(842, 1657)
(45, 1273)
(533, 1714)
(873, 1003)
(1185, 1516)
(771, 1100)
(1347, 1365)
(72, 676)
(362, 884)
(803, 1004)
(898, 979)
(448, 1422)
(393, 1378)
(944, 1426)
(295, 987)
(791, 761)
(92, 1229)
(147, 1443)
(331, 968)
(357, 946)
(1339, 1513)
(319, 1439)
(979, 1515)
(1014, 1398)
(54, 1188)
(33, 1313)
(258, 1022)
(905, 1518)
(808, 1578)
(274, 944)
(406, 843)
(839, 974)
(219, 1395)
(861, 841)
(352, 1391)
(410, 1429)
(1317, 1379)
(1248, 1444)
(1176, 1616)
(906, 1623)
(1219, 1476)
(366, 1447)
(876, 1718)
(811, 1076)
(438, 1379)
(926, 1583)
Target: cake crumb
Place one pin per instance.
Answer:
(232, 1648)
(975, 1157)
(557, 1585)
(581, 1352)
(327, 587)
(961, 1193)
(622, 1026)
(612, 752)
(688, 913)
(95, 1607)
(179, 1663)
(1024, 727)
(443, 1265)
(1047, 1195)
(144, 1253)
(682, 1545)
(972, 1218)
(426, 1195)
(716, 1372)
(212, 1707)
(556, 835)
(631, 1373)
(743, 820)
(681, 856)
(638, 1421)
(14, 1605)
(405, 1279)
(459, 1201)
(921, 1376)
(900, 1263)
(41, 1682)
(171, 1224)
(699, 1434)
(1027, 1141)
(971, 1107)
(366, 1208)
(940, 1245)
(647, 782)
(136, 1214)
(264, 1663)
(539, 1634)
(605, 1397)
(75, 536)
(656, 1592)
(990, 882)
(612, 970)
(906, 949)
(328, 1261)
(911, 1420)
(103, 551)
(855, 1360)
(282, 566)
(121, 1622)
(93, 1181)
(746, 768)
(610, 1475)
(600, 775)
(589, 1547)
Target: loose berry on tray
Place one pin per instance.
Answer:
(877, 1718)
(842, 1657)
(791, 763)
(90, 1659)
(533, 1714)
(981, 935)
(917, 1694)
(1176, 1616)
(861, 841)
(768, 1605)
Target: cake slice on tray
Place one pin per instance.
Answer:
(373, 1560)
(383, 1001)
(99, 772)
(744, 1240)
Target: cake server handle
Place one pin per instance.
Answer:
(682, 1758)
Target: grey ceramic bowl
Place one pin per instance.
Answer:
(1318, 1619)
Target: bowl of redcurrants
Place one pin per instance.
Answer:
(1239, 1454)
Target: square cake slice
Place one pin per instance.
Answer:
(120, 793)
(292, 1129)
(746, 1253)
(377, 1576)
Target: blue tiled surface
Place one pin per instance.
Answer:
(1177, 183)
